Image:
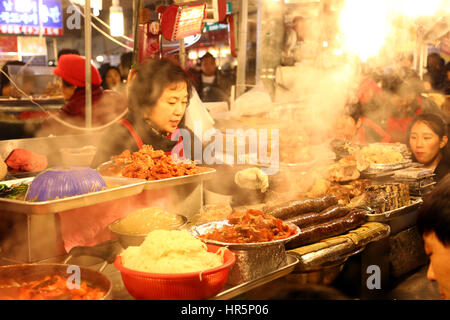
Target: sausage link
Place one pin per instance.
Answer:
(295, 208)
(328, 229)
(312, 218)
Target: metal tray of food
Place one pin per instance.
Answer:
(231, 291)
(288, 166)
(204, 228)
(383, 167)
(388, 215)
(26, 101)
(205, 174)
(126, 187)
(414, 173)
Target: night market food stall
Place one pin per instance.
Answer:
(327, 202)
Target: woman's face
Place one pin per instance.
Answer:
(112, 78)
(425, 143)
(170, 108)
(439, 268)
(208, 66)
(67, 92)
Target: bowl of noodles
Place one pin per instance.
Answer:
(174, 265)
(132, 229)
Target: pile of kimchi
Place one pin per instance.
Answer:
(50, 288)
(249, 227)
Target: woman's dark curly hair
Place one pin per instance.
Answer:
(153, 76)
(434, 213)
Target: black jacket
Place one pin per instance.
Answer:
(443, 167)
(219, 90)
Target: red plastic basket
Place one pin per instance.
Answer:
(182, 286)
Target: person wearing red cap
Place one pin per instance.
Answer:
(107, 105)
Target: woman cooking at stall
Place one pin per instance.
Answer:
(157, 100)
(158, 97)
(428, 140)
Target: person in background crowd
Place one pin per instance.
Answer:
(158, 97)
(405, 101)
(103, 68)
(433, 223)
(374, 108)
(6, 89)
(446, 111)
(294, 37)
(353, 126)
(67, 51)
(126, 61)
(211, 84)
(113, 81)
(404, 66)
(107, 105)
(435, 77)
(428, 140)
(447, 78)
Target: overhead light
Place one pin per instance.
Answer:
(95, 11)
(116, 19)
(193, 55)
(100, 59)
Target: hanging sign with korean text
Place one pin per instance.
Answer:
(31, 17)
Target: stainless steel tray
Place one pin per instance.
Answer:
(27, 101)
(230, 291)
(127, 187)
(206, 227)
(379, 167)
(388, 215)
(207, 174)
(298, 166)
(288, 166)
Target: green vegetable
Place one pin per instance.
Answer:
(14, 191)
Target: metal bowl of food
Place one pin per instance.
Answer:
(132, 229)
(202, 229)
(248, 254)
(50, 281)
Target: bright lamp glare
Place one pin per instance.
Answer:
(116, 21)
(192, 55)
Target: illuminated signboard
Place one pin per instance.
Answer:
(24, 17)
(179, 22)
(215, 26)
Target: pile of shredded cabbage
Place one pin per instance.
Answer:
(171, 251)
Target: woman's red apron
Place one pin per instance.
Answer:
(361, 133)
(88, 226)
(177, 150)
(399, 126)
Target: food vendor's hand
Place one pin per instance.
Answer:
(252, 178)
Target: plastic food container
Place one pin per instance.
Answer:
(78, 156)
(182, 286)
(127, 239)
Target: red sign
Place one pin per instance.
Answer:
(8, 44)
(29, 30)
